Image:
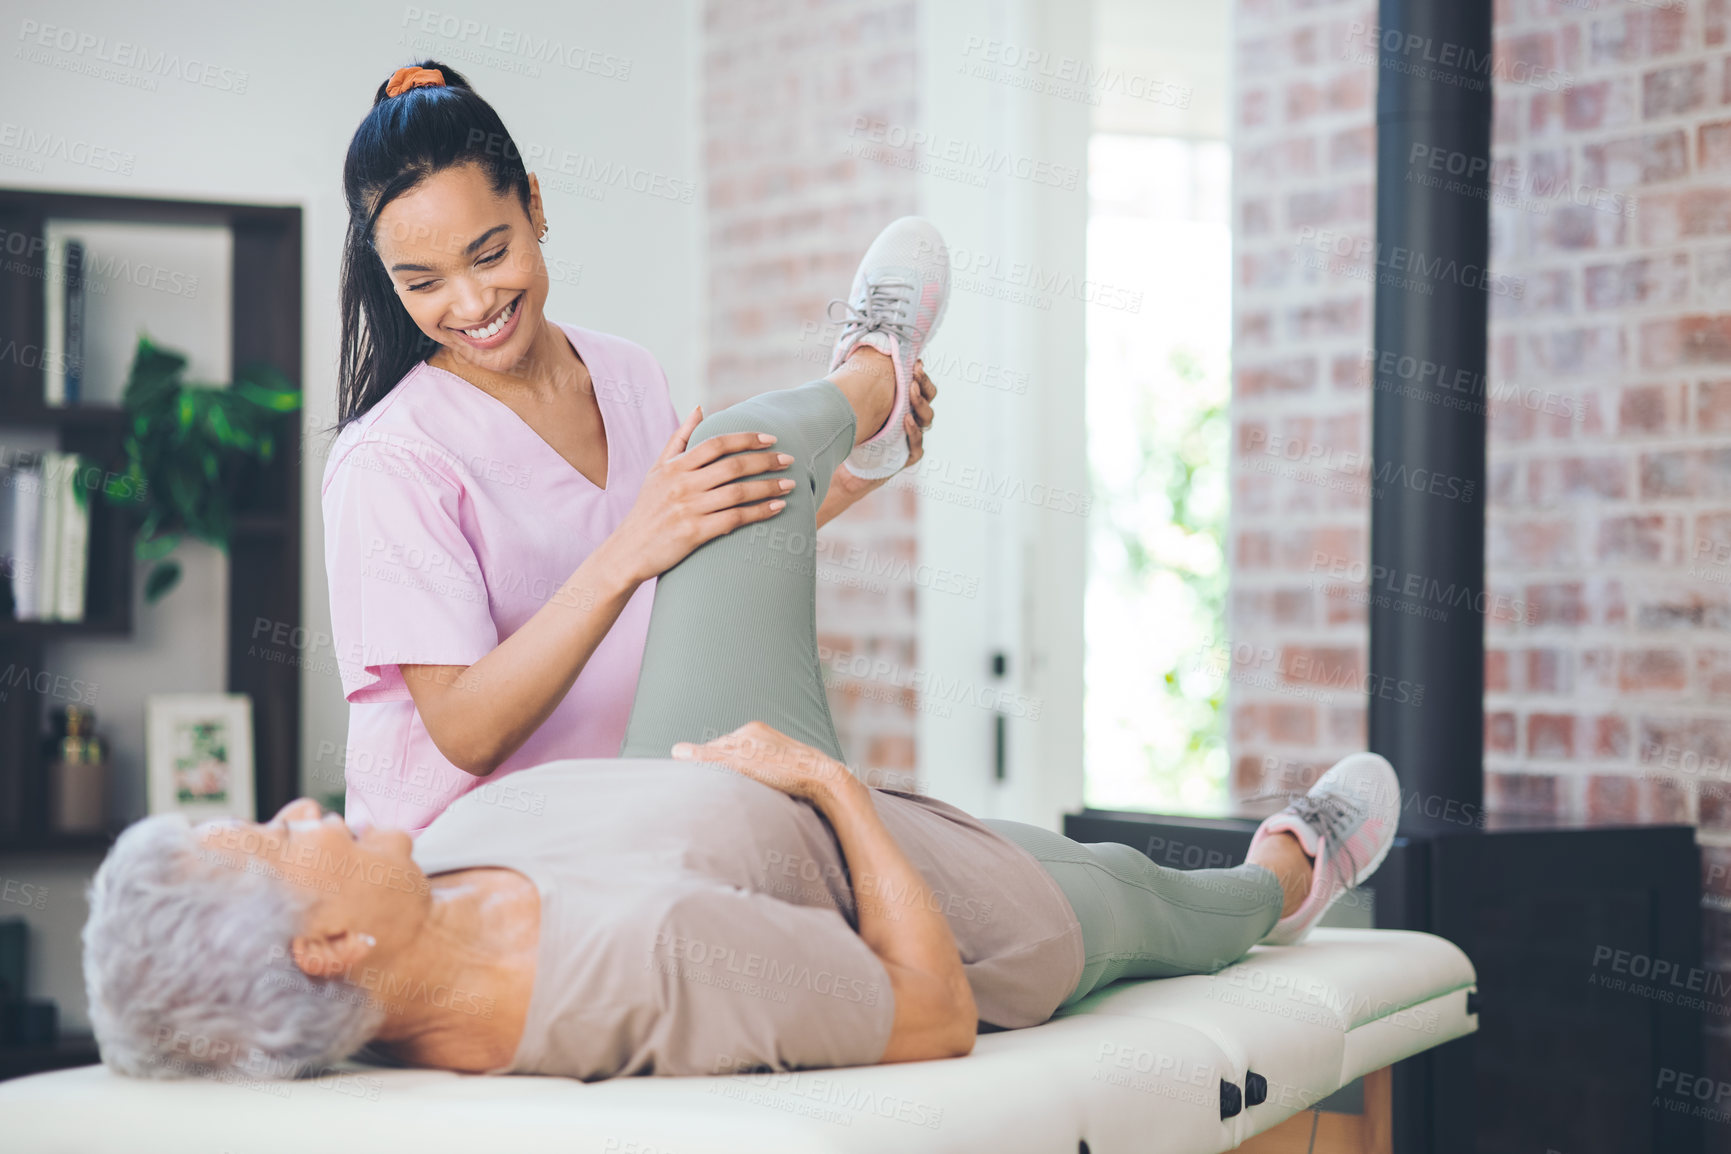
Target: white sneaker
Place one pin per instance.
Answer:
(898, 298)
(1346, 823)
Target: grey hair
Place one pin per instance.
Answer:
(187, 966)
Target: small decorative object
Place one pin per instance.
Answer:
(77, 773)
(200, 754)
(189, 452)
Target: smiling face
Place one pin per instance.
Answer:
(466, 263)
(356, 888)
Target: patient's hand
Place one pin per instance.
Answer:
(777, 760)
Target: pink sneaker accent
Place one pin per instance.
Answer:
(1346, 823)
(896, 303)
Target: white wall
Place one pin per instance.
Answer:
(76, 120)
(1003, 489)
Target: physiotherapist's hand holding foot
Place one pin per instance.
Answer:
(935, 1016)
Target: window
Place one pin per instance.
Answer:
(1158, 383)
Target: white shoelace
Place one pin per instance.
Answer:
(1332, 816)
(888, 308)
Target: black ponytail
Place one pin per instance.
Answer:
(405, 139)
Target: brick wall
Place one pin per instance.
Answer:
(1610, 509)
(789, 214)
(1608, 681)
(1303, 161)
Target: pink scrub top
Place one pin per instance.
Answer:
(449, 523)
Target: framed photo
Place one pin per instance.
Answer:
(199, 759)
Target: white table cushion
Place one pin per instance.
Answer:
(1133, 1061)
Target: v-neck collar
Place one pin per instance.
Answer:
(600, 406)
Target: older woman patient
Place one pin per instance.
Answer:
(743, 903)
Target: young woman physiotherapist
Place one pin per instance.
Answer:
(504, 489)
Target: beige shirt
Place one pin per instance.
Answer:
(694, 921)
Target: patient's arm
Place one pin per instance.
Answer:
(935, 1016)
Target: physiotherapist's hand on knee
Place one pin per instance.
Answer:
(479, 715)
(695, 494)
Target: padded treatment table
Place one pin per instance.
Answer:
(1190, 1065)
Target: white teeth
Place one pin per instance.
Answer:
(492, 330)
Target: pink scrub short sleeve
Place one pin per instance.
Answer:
(406, 587)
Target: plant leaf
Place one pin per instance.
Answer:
(162, 578)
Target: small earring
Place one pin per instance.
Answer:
(368, 940)
(543, 237)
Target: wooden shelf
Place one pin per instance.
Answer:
(57, 845)
(68, 417)
(54, 630)
(67, 1051)
(265, 549)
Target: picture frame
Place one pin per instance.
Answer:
(199, 755)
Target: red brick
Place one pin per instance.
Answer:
(1667, 474)
(1303, 100)
(1646, 159)
(1255, 218)
(1713, 22)
(1287, 377)
(1255, 329)
(1713, 145)
(1551, 736)
(1710, 547)
(1665, 801)
(1576, 227)
(891, 752)
(1349, 373)
(1715, 806)
(1550, 670)
(1713, 406)
(1325, 666)
(1556, 603)
(1652, 670)
(1601, 104)
(1295, 607)
(1532, 544)
(1716, 872)
(1345, 605)
(1611, 736)
(1522, 794)
(1646, 280)
(1713, 673)
(1331, 318)
(1634, 538)
(1643, 409)
(1502, 732)
(1613, 799)
(1673, 91)
(1255, 550)
(1496, 671)
(1352, 148)
(1638, 34)
(1672, 607)
(1253, 107)
(1279, 160)
(1280, 723)
(1351, 91)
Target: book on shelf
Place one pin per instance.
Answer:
(54, 330)
(74, 337)
(46, 537)
(64, 313)
(24, 479)
(72, 565)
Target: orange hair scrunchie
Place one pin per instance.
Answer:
(404, 79)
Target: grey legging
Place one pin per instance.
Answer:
(733, 638)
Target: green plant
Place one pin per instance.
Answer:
(188, 447)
